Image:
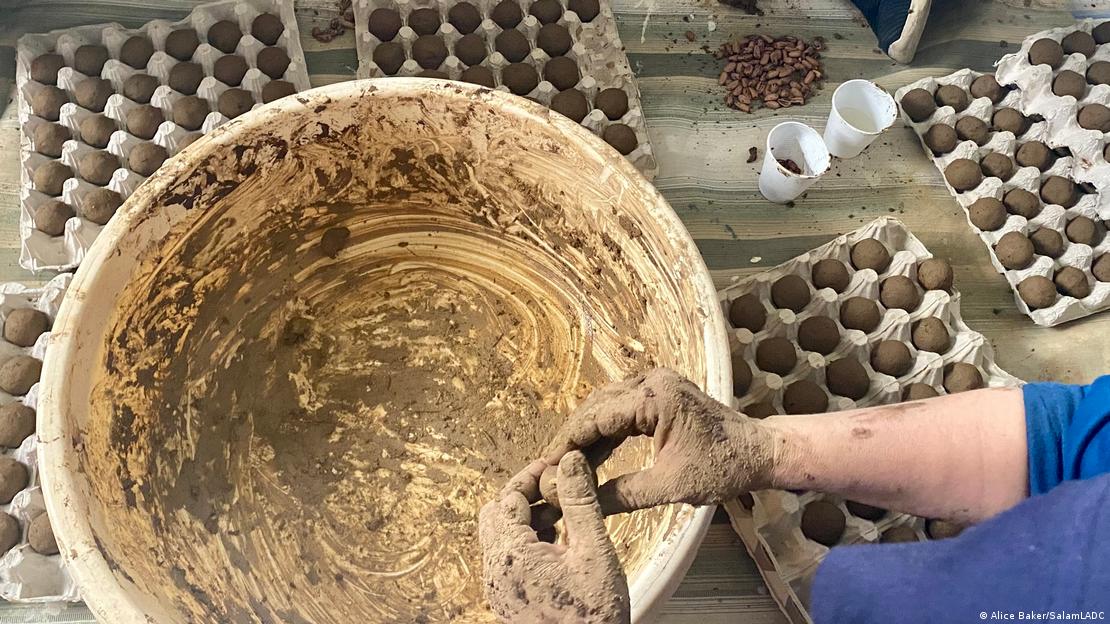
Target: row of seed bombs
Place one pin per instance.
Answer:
(22, 328)
(820, 334)
(143, 120)
(824, 522)
(430, 51)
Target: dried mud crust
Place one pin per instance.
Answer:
(319, 433)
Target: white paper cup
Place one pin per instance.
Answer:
(861, 110)
(798, 142)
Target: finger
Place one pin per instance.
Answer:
(527, 481)
(507, 517)
(582, 515)
(647, 488)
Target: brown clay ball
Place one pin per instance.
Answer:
(90, 59)
(987, 86)
(1046, 52)
(1010, 120)
(471, 49)
(44, 68)
(935, 274)
(1084, 231)
(267, 28)
(277, 89)
(1060, 191)
(613, 102)
(804, 397)
(145, 158)
(963, 174)
(870, 254)
(1070, 83)
(1037, 292)
(234, 102)
(972, 129)
(49, 138)
(143, 121)
(224, 35)
(513, 45)
(621, 137)
(830, 273)
(951, 95)
(571, 103)
(987, 214)
(867, 512)
(93, 93)
(1101, 268)
(99, 205)
(384, 24)
(1101, 33)
(9, 532)
(776, 355)
(898, 535)
(760, 410)
(41, 537)
(189, 112)
(478, 75)
(918, 104)
(1072, 282)
(181, 44)
(941, 138)
(13, 478)
(747, 312)
(1014, 251)
(50, 176)
(1094, 117)
(741, 375)
(97, 167)
(561, 72)
(17, 421)
(961, 377)
(860, 313)
(19, 373)
(51, 217)
(819, 334)
(465, 17)
(424, 21)
(846, 377)
(23, 326)
(554, 39)
(823, 522)
(587, 10)
(185, 78)
(507, 14)
(918, 391)
(1098, 73)
(1047, 242)
(930, 334)
(997, 165)
(136, 51)
(47, 102)
(941, 529)
(891, 357)
(1022, 203)
(273, 61)
(140, 87)
(899, 291)
(230, 69)
(790, 292)
(389, 57)
(96, 130)
(546, 11)
(521, 78)
(1080, 42)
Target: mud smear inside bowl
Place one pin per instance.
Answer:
(306, 433)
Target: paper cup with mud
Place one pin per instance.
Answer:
(795, 158)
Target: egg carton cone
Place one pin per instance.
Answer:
(769, 522)
(1068, 163)
(65, 249)
(25, 575)
(596, 50)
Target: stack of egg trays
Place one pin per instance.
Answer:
(26, 576)
(769, 521)
(597, 49)
(40, 251)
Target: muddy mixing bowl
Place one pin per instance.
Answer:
(304, 353)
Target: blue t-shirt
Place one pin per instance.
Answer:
(1049, 554)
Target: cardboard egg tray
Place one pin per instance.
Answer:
(41, 251)
(769, 521)
(597, 50)
(25, 575)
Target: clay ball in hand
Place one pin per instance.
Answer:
(776, 355)
(1014, 251)
(19, 373)
(846, 377)
(41, 537)
(951, 95)
(963, 174)
(804, 397)
(961, 377)
(899, 291)
(819, 334)
(49, 177)
(987, 214)
(1047, 242)
(13, 478)
(267, 28)
(860, 313)
(93, 93)
(1037, 292)
(1072, 282)
(17, 422)
(44, 68)
(49, 138)
(47, 102)
(23, 326)
(747, 312)
(941, 529)
(918, 104)
(935, 274)
(790, 292)
(51, 217)
(870, 254)
(891, 357)
(930, 334)
(1046, 51)
(830, 273)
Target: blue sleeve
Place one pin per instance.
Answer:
(1049, 553)
(1068, 432)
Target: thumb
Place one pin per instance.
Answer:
(636, 490)
(582, 515)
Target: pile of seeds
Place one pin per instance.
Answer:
(779, 72)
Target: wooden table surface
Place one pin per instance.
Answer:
(702, 147)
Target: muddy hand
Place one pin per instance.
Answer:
(705, 452)
(527, 580)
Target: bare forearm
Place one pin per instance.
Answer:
(961, 457)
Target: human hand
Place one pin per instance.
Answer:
(527, 580)
(705, 452)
